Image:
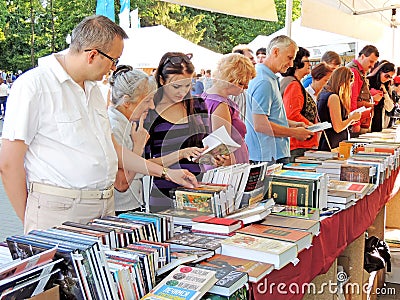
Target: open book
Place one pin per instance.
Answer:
(218, 142)
(319, 126)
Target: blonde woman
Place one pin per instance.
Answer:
(334, 107)
(233, 73)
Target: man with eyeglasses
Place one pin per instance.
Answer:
(59, 160)
(360, 95)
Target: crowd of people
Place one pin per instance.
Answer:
(67, 156)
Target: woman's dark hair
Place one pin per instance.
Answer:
(297, 63)
(173, 63)
(374, 78)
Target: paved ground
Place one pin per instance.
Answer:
(10, 224)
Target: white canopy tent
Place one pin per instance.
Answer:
(255, 9)
(372, 21)
(316, 41)
(147, 45)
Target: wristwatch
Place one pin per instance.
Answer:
(164, 173)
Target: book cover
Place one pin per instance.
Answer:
(255, 269)
(311, 226)
(219, 142)
(356, 187)
(301, 166)
(185, 283)
(302, 239)
(341, 196)
(195, 201)
(195, 241)
(240, 294)
(310, 213)
(355, 173)
(214, 224)
(276, 252)
(28, 263)
(229, 279)
(290, 192)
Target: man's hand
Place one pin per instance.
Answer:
(182, 177)
(301, 134)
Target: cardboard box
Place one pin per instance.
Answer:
(51, 294)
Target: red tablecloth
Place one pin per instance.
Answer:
(336, 233)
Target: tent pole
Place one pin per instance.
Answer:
(288, 18)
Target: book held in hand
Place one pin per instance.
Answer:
(218, 142)
(319, 126)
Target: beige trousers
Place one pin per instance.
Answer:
(44, 211)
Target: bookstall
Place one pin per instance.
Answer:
(336, 234)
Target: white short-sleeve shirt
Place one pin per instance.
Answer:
(65, 127)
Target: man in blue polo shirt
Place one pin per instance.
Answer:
(268, 129)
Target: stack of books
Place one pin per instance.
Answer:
(84, 270)
(359, 188)
(302, 239)
(341, 199)
(312, 226)
(213, 226)
(322, 155)
(266, 250)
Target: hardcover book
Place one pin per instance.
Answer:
(355, 173)
(185, 283)
(278, 253)
(289, 191)
(240, 294)
(214, 224)
(311, 226)
(229, 279)
(302, 239)
(341, 196)
(359, 188)
(309, 213)
(193, 241)
(255, 269)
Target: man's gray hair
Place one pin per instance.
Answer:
(95, 32)
(280, 42)
(135, 84)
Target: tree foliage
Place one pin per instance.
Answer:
(23, 42)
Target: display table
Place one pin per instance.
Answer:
(336, 233)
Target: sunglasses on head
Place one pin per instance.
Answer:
(121, 70)
(178, 59)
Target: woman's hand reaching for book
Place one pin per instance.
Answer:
(182, 177)
(191, 152)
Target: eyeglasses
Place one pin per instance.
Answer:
(305, 61)
(114, 60)
(178, 60)
(121, 70)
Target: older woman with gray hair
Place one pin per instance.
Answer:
(131, 98)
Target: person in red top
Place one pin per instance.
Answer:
(360, 95)
(299, 105)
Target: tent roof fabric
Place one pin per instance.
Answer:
(147, 45)
(254, 9)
